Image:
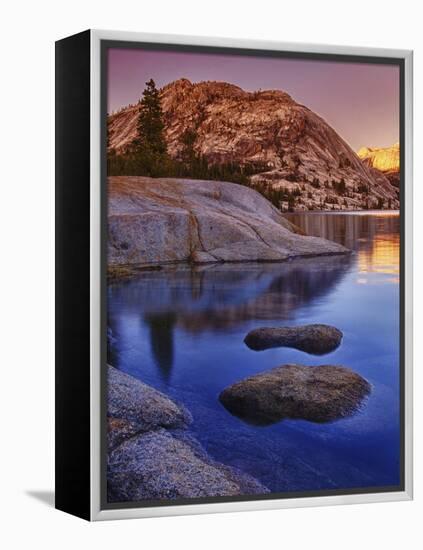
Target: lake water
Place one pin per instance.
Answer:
(181, 330)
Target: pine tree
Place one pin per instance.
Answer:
(188, 155)
(150, 127)
(148, 155)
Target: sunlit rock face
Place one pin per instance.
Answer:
(290, 146)
(384, 159)
(163, 220)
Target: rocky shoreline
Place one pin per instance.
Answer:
(158, 221)
(151, 454)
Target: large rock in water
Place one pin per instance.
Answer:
(317, 339)
(157, 465)
(156, 221)
(318, 394)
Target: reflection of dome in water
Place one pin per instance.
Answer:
(219, 297)
(293, 284)
(223, 296)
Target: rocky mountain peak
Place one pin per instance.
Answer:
(288, 149)
(180, 84)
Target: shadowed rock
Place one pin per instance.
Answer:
(157, 465)
(140, 407)
(318, 394)
(118, 430)
(316, 339)
(150, 454)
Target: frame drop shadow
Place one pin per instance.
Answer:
(46, 497)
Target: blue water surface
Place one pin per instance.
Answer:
(181, 330)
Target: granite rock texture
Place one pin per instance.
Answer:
(151, 455)
(318, 394)
(140, 407)
(316, 339)
(157, 465)
(292, 147)
(153, 221)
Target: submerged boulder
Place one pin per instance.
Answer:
(318, 394)
(157, 465)
(316, 339)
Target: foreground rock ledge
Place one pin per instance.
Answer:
(154, 221)
(157, 465)
(316, 339)
(134, 407)
(318, 394)
(151, 454)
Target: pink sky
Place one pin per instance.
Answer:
(359, 100)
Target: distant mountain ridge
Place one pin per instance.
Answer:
(299, 161)
(384, 159)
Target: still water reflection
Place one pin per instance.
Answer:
(374, 235)
(181, 330)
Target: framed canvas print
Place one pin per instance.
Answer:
(233, 275)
